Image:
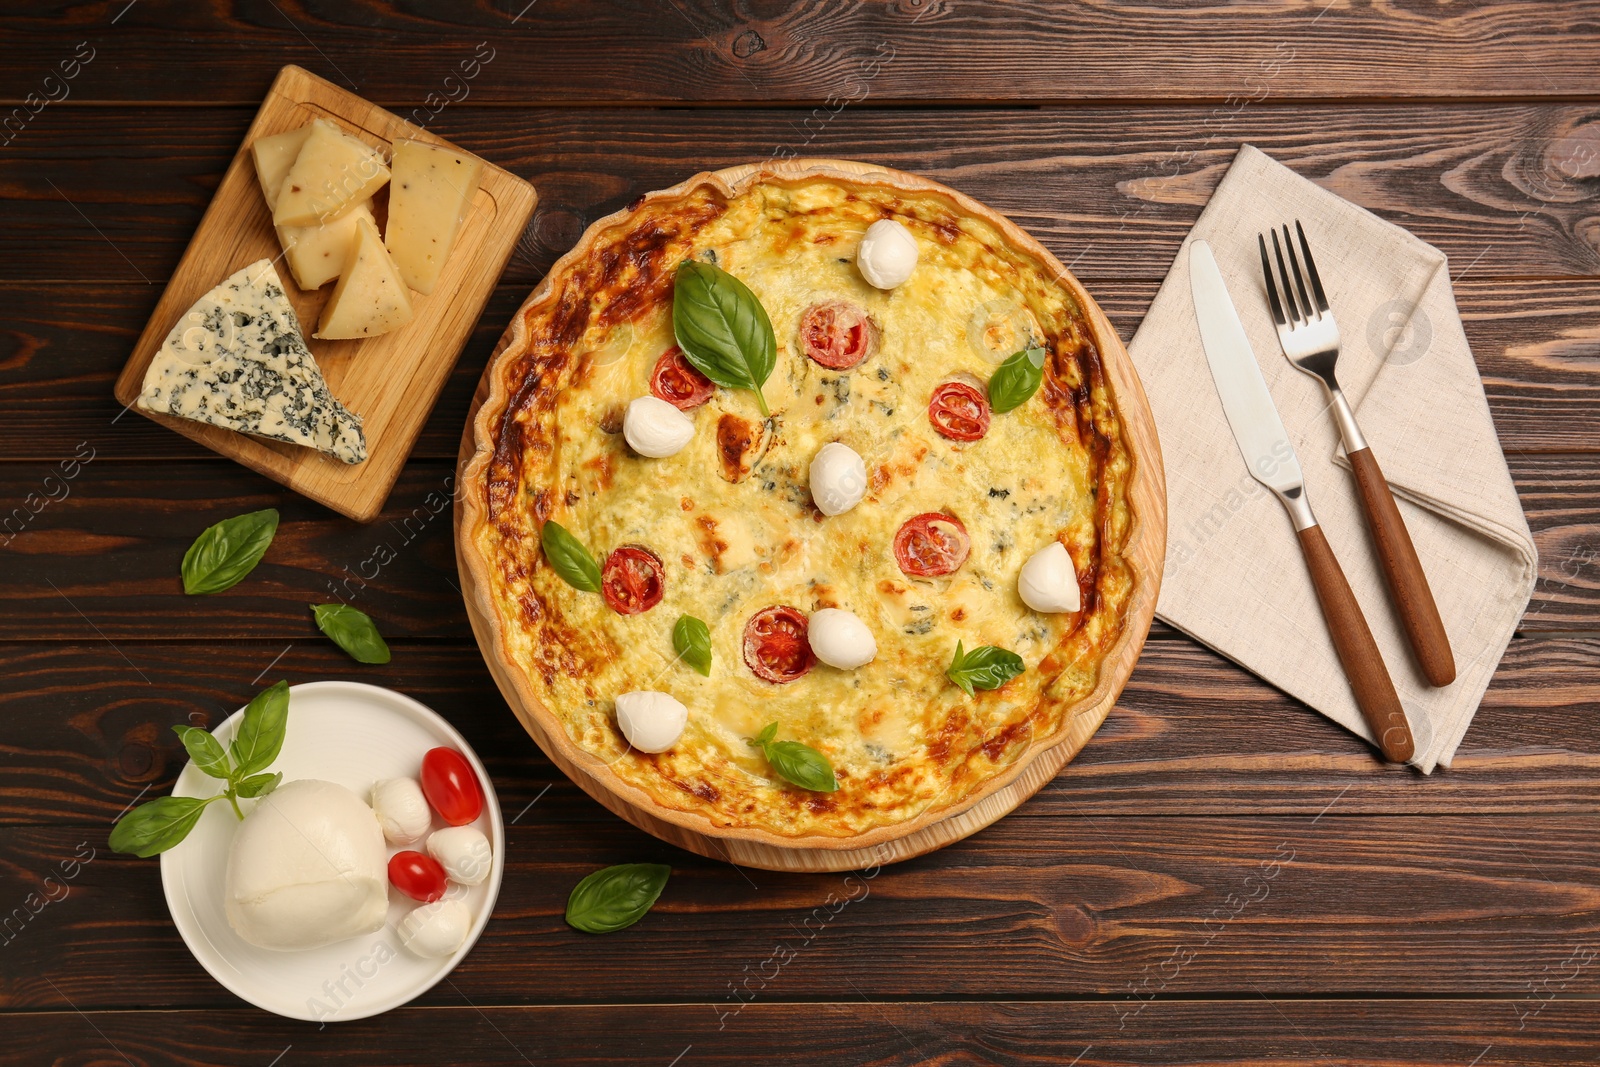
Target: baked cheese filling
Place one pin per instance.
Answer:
(731, 518)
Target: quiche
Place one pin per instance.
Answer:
(958, 490)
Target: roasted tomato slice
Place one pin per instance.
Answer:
(959, 411)
(836, 334)
(776, 646)
(633, 579)
(677, 382)
(931, 544)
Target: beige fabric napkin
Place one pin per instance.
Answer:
(1235, 579)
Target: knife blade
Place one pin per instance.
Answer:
(1253, 417)
(1259, 432)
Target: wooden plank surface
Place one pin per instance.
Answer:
(1058, 906)
(99, 553)
(1502, 189)
(1535, 342)
(849, 1028)
(1449, 920)
(904, 50)
(97, 720)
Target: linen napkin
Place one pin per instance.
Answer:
(1235, 579)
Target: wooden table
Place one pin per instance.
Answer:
(1445, 920)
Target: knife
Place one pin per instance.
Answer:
(1272, 461)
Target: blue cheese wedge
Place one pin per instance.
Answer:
(237, 359)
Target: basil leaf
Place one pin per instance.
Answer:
(569, 558)
(157, 826)
(722, 328)
(1016, 380)
(258, 785)
(353, 631)
(798, 764)
(802, 765)
(985, 667)
(260, 737)
(206, 751)
(691, 640)
(615, 898)
(223, 554)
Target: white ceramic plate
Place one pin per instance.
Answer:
(354, 735)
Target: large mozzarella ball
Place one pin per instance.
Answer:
(887, 255)
(436, 930)
(306, 869)
(1048, 582)
(401, 809)
(838, 478)
(840, 639)
(463, 852)
(651, 721)
(655, 428)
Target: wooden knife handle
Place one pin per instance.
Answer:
(1363, 663)
(1407, 582)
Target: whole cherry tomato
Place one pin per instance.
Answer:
(417, 876)
(450, 786)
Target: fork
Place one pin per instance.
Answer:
(1310, 340)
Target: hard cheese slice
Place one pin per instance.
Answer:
(331, 175)
(274, 156)
(237, 360)
(318, 254)
(430, 193)
(370, 298)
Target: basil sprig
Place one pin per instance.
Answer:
(722, 328)
(985, 667)
(1015, 380)
(158, 825)
(614, 898)
(569, 558)
(352, 630)
(800, 764)
(223, 554)
(691, 640)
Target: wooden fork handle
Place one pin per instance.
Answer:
(1412, 596)
(1358, 652)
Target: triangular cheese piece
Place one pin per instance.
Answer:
(317, 254)
(332, 173)
(237, 359)
(370, 298)
(274, 156)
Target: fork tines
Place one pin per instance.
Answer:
(1287, 311)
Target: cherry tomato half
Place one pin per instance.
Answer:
(959, 411)
(776, 644)
(931, 544)
(838, 335)
(633, 579)
(677, 382)
(417, 876)
(450, 786)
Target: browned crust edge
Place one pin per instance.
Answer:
(1144, 550)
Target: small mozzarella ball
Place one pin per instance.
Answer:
(840, 639)
(402, 810)
(655, 428)
(1047, 582)
(651, 721)
(463, 852)
(888, 254)
(838, 478)
(436, 930)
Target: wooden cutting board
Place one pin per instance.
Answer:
(391, 381)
